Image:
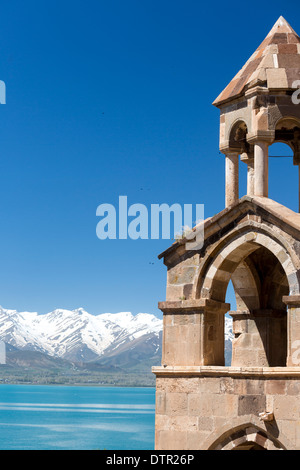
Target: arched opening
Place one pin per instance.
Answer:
(228, 333)
(238, 137)
(238, 143)
(287, 130)
(281, 164)
(260, 320)
(243, 175)
(259, 269)
(284, 151)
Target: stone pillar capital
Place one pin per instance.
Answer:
(232, 153)
(227, 150)
(247, 157)
(261, 136)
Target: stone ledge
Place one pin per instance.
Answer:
(192, 306)
(291, 300)
(217, 371)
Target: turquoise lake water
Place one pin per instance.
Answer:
(34, 417)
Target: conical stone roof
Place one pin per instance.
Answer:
(275, 64)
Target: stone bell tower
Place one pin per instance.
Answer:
(201, 404)
(257, 110)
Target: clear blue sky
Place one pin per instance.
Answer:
(109, 98)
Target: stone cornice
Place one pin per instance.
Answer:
(219, 371)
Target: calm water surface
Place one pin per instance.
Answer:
(57, 417)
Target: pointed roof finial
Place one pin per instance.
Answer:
(281, 26)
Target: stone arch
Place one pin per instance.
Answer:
(263, 272)
(213, 282)
(281, 118)
(247, 437)
(287, 144)
(237, 136)
(251, 291)
(287, 131)
(247, 425)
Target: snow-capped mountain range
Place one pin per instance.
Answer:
(76, 335)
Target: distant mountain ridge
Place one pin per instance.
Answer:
(121, 340)
(75, 335)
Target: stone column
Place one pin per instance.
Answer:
(293, 330)
(261, 168)
(232, 178)
(249, 160)
(193, 332)
(213, 338)
(250, 178)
